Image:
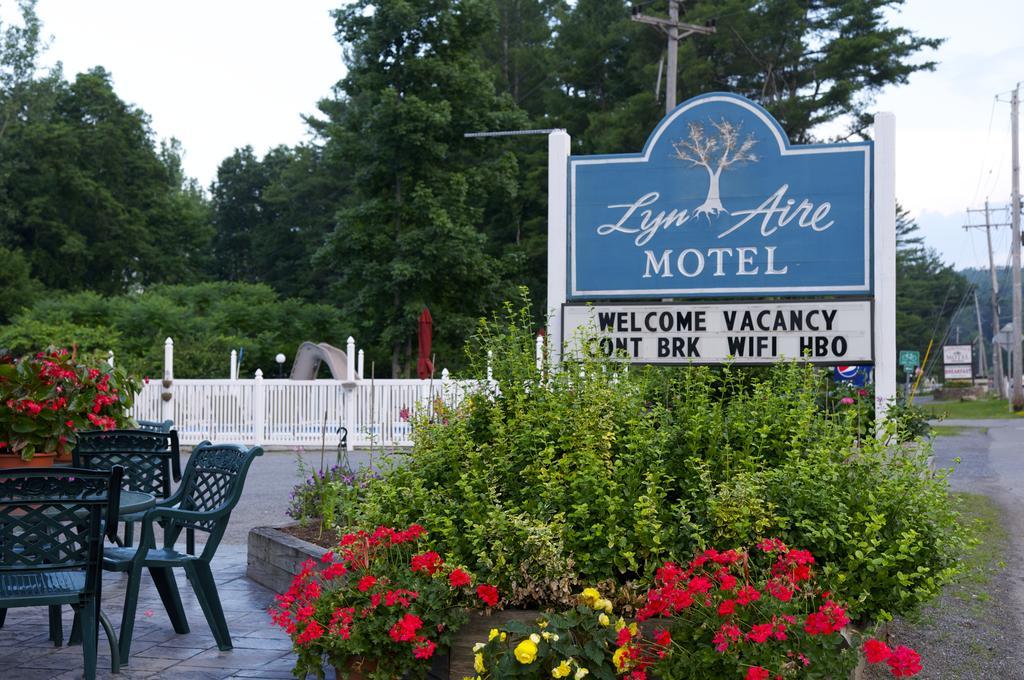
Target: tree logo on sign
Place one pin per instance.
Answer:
(715, 152)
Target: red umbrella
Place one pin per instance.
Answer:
(424, 366)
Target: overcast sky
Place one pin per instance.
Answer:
(220, 74)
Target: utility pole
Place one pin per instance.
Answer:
(1018, 395)
(982, 360)
(675, 30)
(997, 352)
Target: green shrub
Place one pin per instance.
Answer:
(594, 475)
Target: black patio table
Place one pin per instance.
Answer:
(131, 502)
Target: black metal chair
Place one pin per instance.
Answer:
(151, 459)
(51, 545)
(209, 491)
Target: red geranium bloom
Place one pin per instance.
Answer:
(904, 662)
(876, 651)
(459, 578)
(366, 582)
(424, 649)
(757, 673)
(429, 562)
(489, 595)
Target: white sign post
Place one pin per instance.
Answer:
(558, 202)
(885, 263)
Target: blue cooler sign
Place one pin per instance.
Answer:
(719, 203)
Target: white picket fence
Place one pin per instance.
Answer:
(291, 413)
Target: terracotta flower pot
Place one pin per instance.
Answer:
(38, 460)
(358, 668)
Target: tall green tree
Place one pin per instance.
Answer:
(91, 201)
(928, 291)
(408, 235)
(271, 215)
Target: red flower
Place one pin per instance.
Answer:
(757, 673)
(662, 637)
(623, 638)
(313, 632)
(726, 633)
(876, 651)
(748, 594)
(727, 607)
(904, 662)
(760, 633)
(405, 629)
(489, 595)
(366, 582)
(424, 649)
(429, 562)
(459, 578)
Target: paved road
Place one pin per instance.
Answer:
(992, 463)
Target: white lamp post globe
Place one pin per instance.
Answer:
(279, 358)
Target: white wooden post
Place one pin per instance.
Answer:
(445, 385)
(558, 234)
(490, 371)
(359, 367)
(259, 415)
(167, 394)
(110, 358)
(233, 372)
(885, 262)
(540, 354)
(350, 359)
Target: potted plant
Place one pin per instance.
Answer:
(378, 607)
(46, 398)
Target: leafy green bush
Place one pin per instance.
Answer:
(595, 475)
(206, 321)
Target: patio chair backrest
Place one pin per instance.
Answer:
(52, 519)
(151, 459)
(212, 483)
(155, 425)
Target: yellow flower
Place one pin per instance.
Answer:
(604, 620)
(562, 670)
(604, 604)
(590, 596)
(534, 638)
(493, 634)
(581, 673)
(546, 635)
(633, 629)
(620, 624)
(478, 663)
(617, 658)
(478, 646)
(542, 624)
(526, 651)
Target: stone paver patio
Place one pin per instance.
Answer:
(260, 650)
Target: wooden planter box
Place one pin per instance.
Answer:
(275, 557)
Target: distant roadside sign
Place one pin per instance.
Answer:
(957, 354)
(1005, 337)
(909, 359)
(958, 372)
